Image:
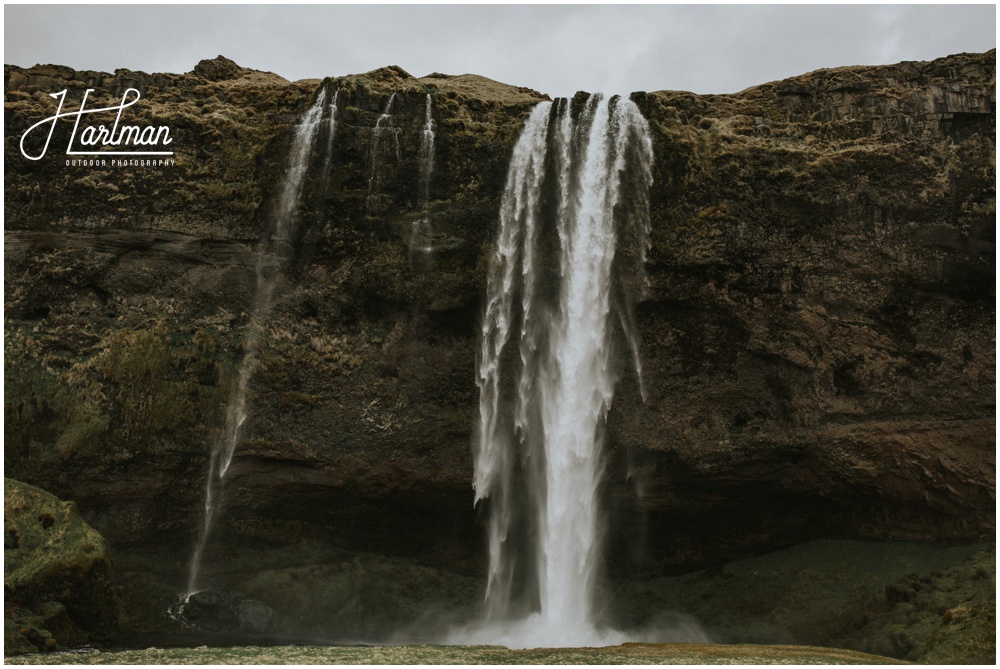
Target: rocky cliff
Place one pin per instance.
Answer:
(818, 337)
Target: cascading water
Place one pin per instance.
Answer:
(274, 250)
(331, 120)
(574, 228)
(426, 153)
(384, 150)
(421, 231)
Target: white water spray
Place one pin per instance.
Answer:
(273, 251)
(553, 292)
(426, 153)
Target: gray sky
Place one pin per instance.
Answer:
(553, 49)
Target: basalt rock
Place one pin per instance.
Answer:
(818, 336)
(227, 611)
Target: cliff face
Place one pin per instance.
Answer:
(817, 338)
(820, 330)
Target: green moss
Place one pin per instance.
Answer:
(132, 386)
(49, 534)
(56, 564)
(43, 404)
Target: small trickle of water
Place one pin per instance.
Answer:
(384, 149)
(274, 250)
(295, 175)
(426, 153)
(421, 231)
(553, 292)
(331, 130)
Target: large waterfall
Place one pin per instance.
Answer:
(557, 332)
(274, 251)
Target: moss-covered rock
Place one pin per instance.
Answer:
(896, 599)
(58, 578)
(966, 636)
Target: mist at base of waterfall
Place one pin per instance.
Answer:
(535, 631)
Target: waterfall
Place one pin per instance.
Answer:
(384, 148)
(331, 130)
(421, 231)
(426, 153)
(274, 250)
(574, 228)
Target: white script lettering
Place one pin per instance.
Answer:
(101, 135)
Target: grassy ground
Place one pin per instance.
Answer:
(630, 653)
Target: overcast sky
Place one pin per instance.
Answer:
(553, 49)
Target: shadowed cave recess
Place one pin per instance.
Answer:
(815, 333)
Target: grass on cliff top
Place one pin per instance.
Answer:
(630, 653)
(470, 86)
(476, 87)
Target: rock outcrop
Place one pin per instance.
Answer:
(894, 599)
(59, 585)
(818, 337)
(227, 611)
(822, 299)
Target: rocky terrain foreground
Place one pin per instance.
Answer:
(632, 653)
(818, 339)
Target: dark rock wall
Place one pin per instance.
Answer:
(818, 334)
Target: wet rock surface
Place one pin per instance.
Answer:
(818, 337)
(227, 611)
(315, 595)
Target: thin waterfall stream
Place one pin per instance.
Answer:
(427, 152)
(273, 252)
(331, 120)
(384, 149)
(421, 230)
(556, 333)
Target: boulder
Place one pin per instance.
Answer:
(219, 68)
(219, 610)
(966, 636)
(58, 575)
